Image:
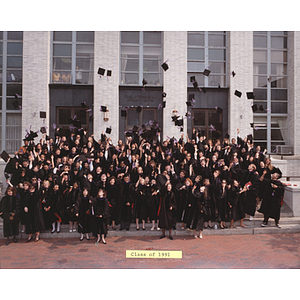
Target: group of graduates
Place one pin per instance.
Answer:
(90, 185)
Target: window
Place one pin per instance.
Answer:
(11, 65)
(208, 122)
(207, 50)
(141, 57)
(72, 57)
(65, 114)
(140, 118)
(270, 67)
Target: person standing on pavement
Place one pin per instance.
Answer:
(167, 212)
(82, 212)
(9, 211)
(100, 215)
(272, 201)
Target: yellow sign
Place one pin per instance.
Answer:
(153, 254)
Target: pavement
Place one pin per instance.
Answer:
(261, 251)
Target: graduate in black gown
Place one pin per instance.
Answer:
(34, 216)
(113, 197)
(72, 197)
(167, 212)
(272, 202)
(198, 211)
(100, 214)
(83, 213)
(9, 211)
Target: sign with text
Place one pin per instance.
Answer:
(153, 254)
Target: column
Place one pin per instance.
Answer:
(36, 79)
(240, 60)
(106, 88)
(175, 81)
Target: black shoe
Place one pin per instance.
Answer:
(88, 238)
(162, 236)
(170, 237)
(104, 242)
(81, 239)
(28, 240)
(121, 228)
(58, 231)
(52, 231)
(138, 229)
(7, 242)
(15, 240)
(144, 228)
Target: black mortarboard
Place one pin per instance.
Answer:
(181, 129)
(254, 107)
(238, 93)
(4, 155)
(101, 71)
(144, 82)
(109, 72)
(83, 104)
(163, 104)
(250, 95)
(206, 72)
(164, 94)
(191, 96)
(16, 104)
(43, 130)
(134, 128)
(31, 136)
(42, 114)
(192, 79)
(188, 103)
(195, 84)
(165, 66)
(175, 118)
(219, 110)
(108, 130)
(233, 73)
(251, 125)
(179, 122)
(103, 108)
(261, 108)
(123, 113)
(138, 109)
(226, 135)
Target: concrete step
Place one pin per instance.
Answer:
(288, 225)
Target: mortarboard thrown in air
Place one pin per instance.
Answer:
(103, 108)
(179, 122)
(101, 71)
(206, 72)
(164, 94)
(250, 95)
(42, 114)
(108, 130)
(188, 103)
(108, 72)
(165, 66)
(43, 130)
(4, 155)
(233, 73)
(238, 93)
(254, 107)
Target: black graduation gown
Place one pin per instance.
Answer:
(100, 208)
(234, 194)
(198, 216)
(151, 201)
(113, 198)
(139, 211)
(82, 207)
(47, 199)
(34, 217)
(70, 209)
(22, 194)
(189, 207)
(167, 217)
(251, 194)
(9, 205)
(223, 205)
(126, 195)
(271, 204)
